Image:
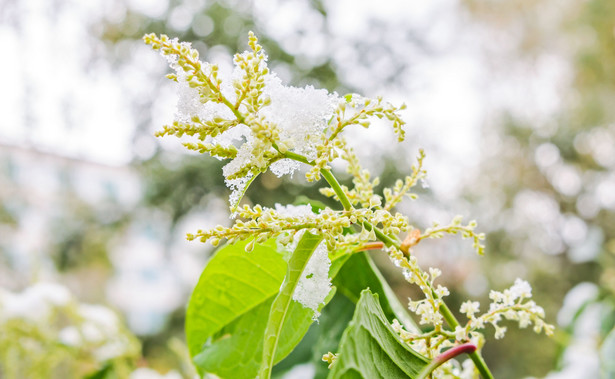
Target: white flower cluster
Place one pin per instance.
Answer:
(302, 214)
(190, 102)
(35, 303)
(511, 304)
(299, 116)
(100, 326)
(93, 329)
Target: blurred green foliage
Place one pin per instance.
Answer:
(580, 34)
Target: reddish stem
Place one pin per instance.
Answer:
(370, 246)
(466, 348)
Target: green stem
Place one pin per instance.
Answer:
(295, 156)
(337, 188)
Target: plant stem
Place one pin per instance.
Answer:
(294, 156)
(444, 357)
(391, 241)
(337, 188)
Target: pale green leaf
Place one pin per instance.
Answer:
(233, 283)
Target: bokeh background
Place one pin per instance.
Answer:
(513, 102)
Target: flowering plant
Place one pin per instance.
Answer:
(284, 267)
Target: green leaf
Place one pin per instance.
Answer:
(360, 272)
(607, 352)
(229, 309)
(281, 304)
(237, 350)
(233, 283)
(371, 349)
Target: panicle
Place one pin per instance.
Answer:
(274, 119)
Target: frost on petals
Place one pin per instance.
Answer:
(301, 114)
(294, 210)
(315, 284)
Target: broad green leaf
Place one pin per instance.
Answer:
(360, 272)
(229, 309)
(371, 349)
(302, 353)
(607, 356)
(233, 283)
(282, 302)
(237, 350)
(357, 273)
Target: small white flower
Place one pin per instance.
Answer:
(521, 289)
(434, 273)
(496, 296)
(524, 320)
(397, 327)
(442, 291)
(477, 323)
(469, 308)
(460, 333)
(499, 331)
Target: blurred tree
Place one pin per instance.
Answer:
(545, 185)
